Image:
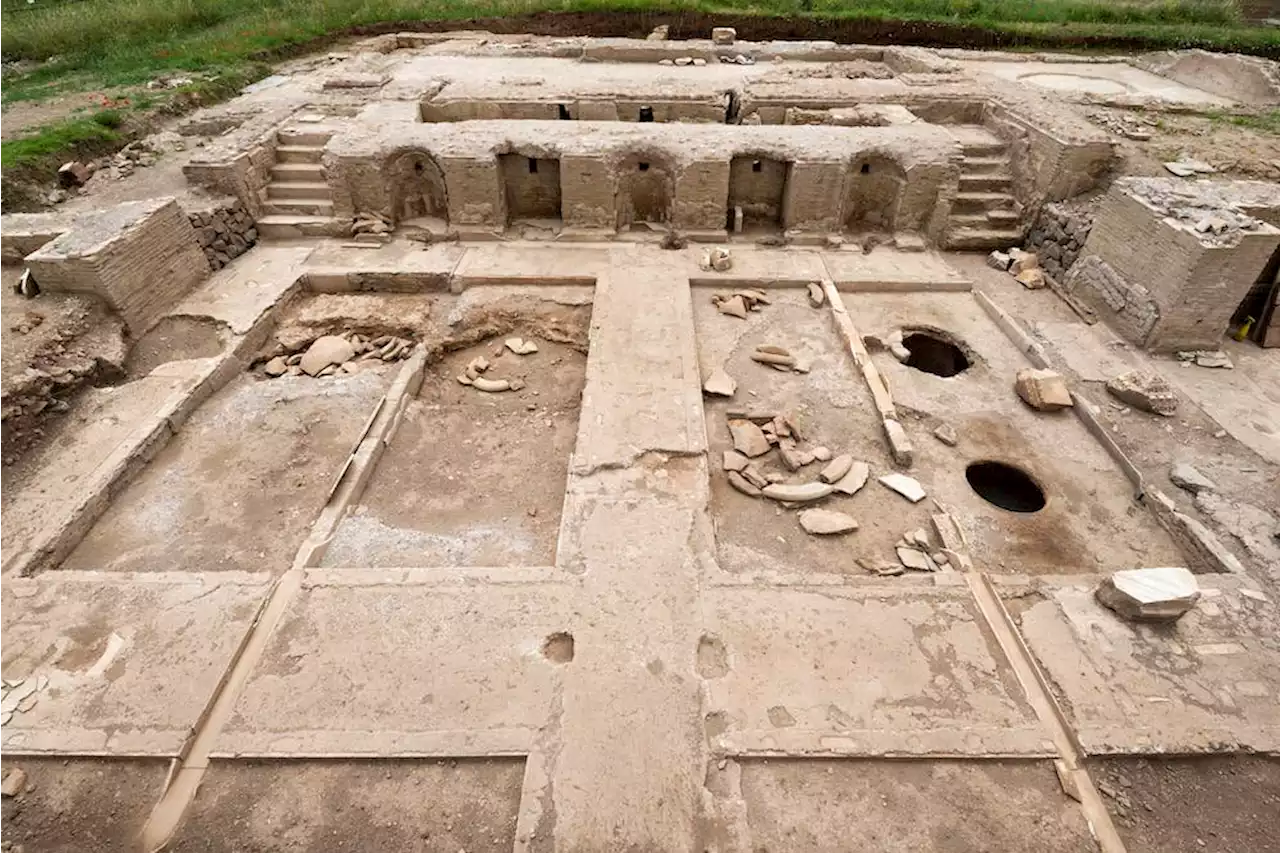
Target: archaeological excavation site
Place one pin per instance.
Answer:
(475, 442)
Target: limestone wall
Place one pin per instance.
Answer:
(140, 257)
(224, 230)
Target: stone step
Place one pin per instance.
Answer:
(985, 166)
(309, 206)
(986, 182)
(299, 153)
(984, 149)
(1003, 218)
(298, 189)
(294, 172)
(982, 237)
(971, 202)
(283, 226)
(311, 137)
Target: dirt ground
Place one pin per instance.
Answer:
(355, 807)
(72, 806)
(267, 452)
(910, 806)
(473, 479)
(1220, 804)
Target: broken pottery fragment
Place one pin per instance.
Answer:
(734, 306)
(822, 454)
(915, 560)
(1144, 390)
(748, 439)
(826, 522)
(906, 486)
(720, 384)
(753, 476)
(1041, 389)
(734, 461)
(999, 260)
(797, 493)
(520, 346)
(491, 386)
(774, 356)
(817, 296)
(854, 480)
(1150, 595)
(327, 351)
(836, 469)
(946, 433)
(740, 483)
(276, 367)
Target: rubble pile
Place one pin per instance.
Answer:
(344, 353)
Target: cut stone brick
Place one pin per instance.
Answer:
(1150, 595)
(1042, 389)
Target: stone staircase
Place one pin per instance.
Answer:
(984, 213)
(297, 202)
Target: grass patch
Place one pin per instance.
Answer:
(124, 42)
(1265, 122)
(58, 139)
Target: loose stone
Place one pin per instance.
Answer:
(797, 493)
(916, 561)
(817, 296)
(826, 522)
(735, 461)
(836, 469)
(906, 486)
(1151, 595)
(740, 483)
(854, 480)
(720, 384)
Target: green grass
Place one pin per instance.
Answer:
(56, 139)
(122, 42)
(1266, 122)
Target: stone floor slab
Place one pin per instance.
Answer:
(1209, 682)
(124, 664)
(886, 269)
(839, 672)
(399, 668)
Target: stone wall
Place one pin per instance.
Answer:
(1058, 235)
(224, 230)
(1168, 261)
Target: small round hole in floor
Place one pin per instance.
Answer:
(934, 354)
(1005, 486)
(558, 648)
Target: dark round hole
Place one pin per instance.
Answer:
(1005, 486)
(932, 354)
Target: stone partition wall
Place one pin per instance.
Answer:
(140, 257)
(224, 229)
(1058, 236)
(596, 166)
(1168, 261)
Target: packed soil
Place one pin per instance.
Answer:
(81, 804)
(1220, 804)
(473, 478)
(910, 806)
(354, 807)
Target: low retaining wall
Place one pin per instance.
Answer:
(224, 230)
(1058, 235)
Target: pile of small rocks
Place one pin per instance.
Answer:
(1021, 264)
(371, 228)
(328, 355)
(1129, 125)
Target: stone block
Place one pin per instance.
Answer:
(1150, 595)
